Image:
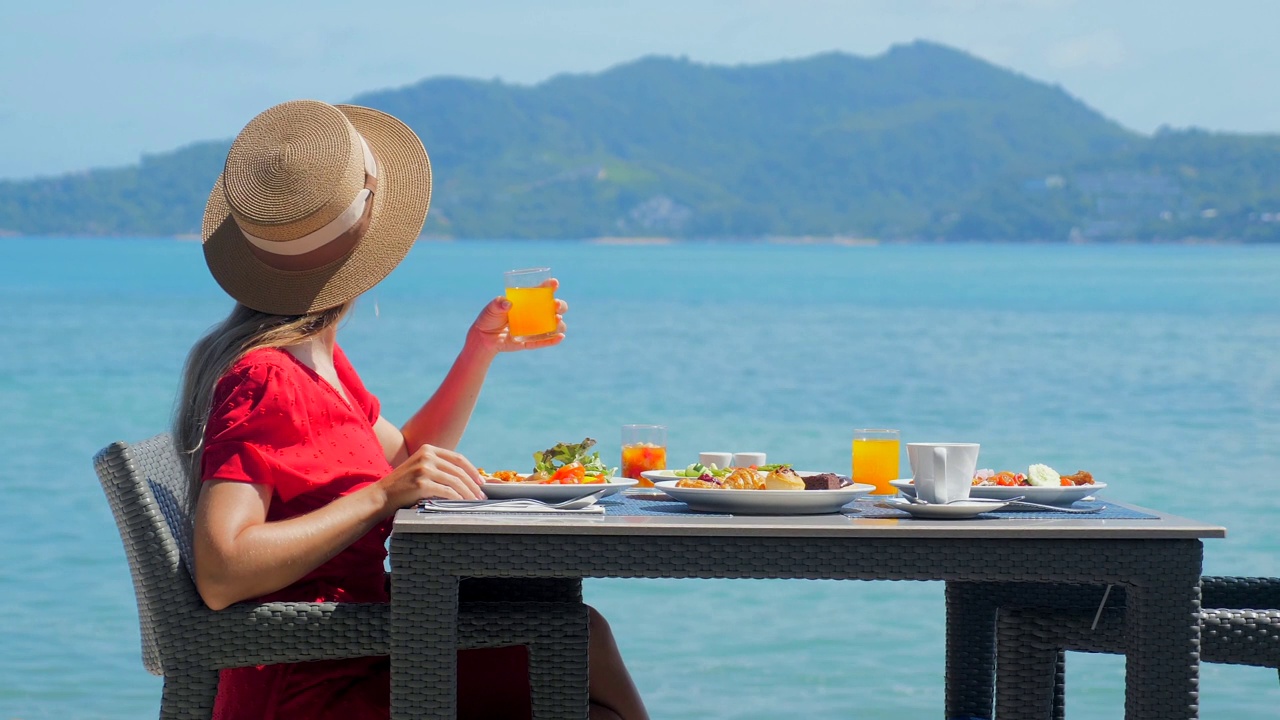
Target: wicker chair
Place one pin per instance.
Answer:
(1239, 624)
(188, 644)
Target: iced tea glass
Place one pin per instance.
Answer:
(876, 453)
(644, 447)
(533, 304)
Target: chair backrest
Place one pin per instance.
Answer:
(148, 491)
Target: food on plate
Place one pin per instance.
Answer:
(770, 477)
(823, 481)
(562, 464)
(1037, 475)
(698, 470)
(744, 479)
(783, 478)
(501, 476)
(570, 464)
(1079, 477)
(735, 479)
(1004, 478)
(1043, 476)
(709, 483)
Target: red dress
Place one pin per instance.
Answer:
(275, 422)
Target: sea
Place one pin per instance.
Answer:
(1154, 367)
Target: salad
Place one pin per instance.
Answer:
(710, 472)
(570, 464)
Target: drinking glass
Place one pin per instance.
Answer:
(533, 304)
(644, 447)
(875, 458)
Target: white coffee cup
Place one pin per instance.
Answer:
(720, 459)
(942, 472)
(748, 459)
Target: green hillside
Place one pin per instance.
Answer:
(922, 142)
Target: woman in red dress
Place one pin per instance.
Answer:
(298, 472)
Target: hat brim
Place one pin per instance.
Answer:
(399, 210)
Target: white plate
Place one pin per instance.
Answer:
(1062, 495)
(660, 475)
(554, 493)
(764, 502)
(949, 511)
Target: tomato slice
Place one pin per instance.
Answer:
(570, 474)
(1005, 478)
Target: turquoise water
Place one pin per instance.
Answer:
(1154, 367)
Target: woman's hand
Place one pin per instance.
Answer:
(432, 472)
(490, 329)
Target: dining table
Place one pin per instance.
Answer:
(1155, 557)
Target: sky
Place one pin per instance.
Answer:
(86, 83)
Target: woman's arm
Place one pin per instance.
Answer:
(239, 555)
(441, 421)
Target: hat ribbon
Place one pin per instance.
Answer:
(331, 242)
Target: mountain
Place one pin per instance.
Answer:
(921, 142)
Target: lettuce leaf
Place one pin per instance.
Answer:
(561, 454)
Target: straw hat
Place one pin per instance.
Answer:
(316, 204)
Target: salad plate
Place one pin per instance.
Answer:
(764, 502)
(554, 493)
(1045, 495)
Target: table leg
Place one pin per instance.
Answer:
(971, 623)
(424, 639)
(1162, 668)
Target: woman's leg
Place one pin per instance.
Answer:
(613, 694)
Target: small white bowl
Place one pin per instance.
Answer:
(719, 459)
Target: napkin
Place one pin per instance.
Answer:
(524, 507)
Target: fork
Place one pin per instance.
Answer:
(1055, 508)
(1019, 502)
(571, 504)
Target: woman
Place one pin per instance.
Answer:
(298, 471)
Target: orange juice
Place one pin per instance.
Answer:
(875, 462)
(641, 457)
(533, 311)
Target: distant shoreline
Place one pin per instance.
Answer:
(796, 240)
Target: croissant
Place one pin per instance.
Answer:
(744, 479)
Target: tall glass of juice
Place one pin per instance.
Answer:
(644, 447)
(876, 452)
(533, 303)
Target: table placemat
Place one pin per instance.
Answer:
(867, 508)
(622, 504)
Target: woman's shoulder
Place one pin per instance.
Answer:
(263, 357)
(261, 367)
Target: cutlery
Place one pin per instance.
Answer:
(915, 500)
(1055, 508)
(1015, 502)
(571, 504)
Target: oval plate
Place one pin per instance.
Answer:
(554, 493)
(1062, 496)
(764, 502)
(655, 476)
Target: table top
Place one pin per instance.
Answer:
(844, 525)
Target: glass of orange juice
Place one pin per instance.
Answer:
(533, 303)
(876, 452)
(644, 447)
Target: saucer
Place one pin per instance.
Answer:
(950, 511)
